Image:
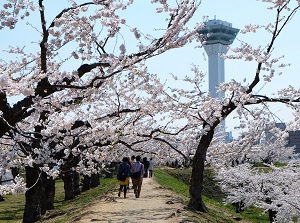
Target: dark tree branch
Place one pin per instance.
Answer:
(170, 145)
(263, 98)
(117, 113)
(130, 146)
(85, 68)
(67, 10)
(160, 131)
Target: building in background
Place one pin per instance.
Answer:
(293, 139)
(216, 36)
(228, 137)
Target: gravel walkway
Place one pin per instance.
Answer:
(155, 204)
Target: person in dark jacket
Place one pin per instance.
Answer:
(123, 175)
(146, 166)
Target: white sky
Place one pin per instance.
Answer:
(237, 12)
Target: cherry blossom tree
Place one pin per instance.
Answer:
(261, 141)
(271, 152)
(206, 113)
(274, 190)
(236, 168)
(78, 65)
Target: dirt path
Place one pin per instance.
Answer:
(155, 204)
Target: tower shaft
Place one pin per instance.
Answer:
(216, 67)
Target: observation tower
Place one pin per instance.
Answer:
(216, 36)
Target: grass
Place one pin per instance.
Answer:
(169, 182)
(255, 215)
(12, 209)
(210, 185)
(172, 179)
(65, 210)
(178, 181)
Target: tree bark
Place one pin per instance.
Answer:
(95, 180)
(272, 215)
(1, 198)
(86, 183)
(68, 185)
(14, 172)
(33, 205)
(71, 184)
(49, 193)
(196, 186)
(76, 179)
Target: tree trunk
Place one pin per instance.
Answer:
(71, 184)
(68, 185)
(95, 180)
(14, 172)
(1, 198)
(76, 179)
(86, 184)
(33, 206)
(196, 186)
(272, 215)
(49, 193)
(43, 178)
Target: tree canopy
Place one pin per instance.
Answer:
(83, 94)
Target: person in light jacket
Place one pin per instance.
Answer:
(137, 176)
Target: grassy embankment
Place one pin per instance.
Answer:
(12, 209)
(178, 180)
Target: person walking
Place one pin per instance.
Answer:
(132, 161)
(130, 166)
(146, 166)
(151, 167)
(123, 175)
(137, 176)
